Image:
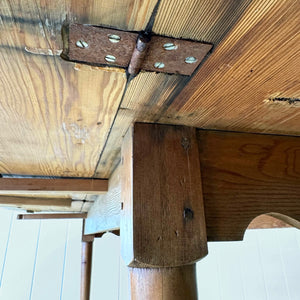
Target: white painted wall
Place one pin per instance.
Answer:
(40, 260)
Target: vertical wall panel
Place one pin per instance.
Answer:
(105, 268)
(20, 260)
(71, 281)
(50, 260)
(272, 265)
(252, 270)
(5, 233)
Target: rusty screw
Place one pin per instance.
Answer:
(159, 65)
(170, 46)
(114, 38)
(82, 44)
(190, 60)
(110, 58)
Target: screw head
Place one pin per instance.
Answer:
(170, 46)
(159, 65)
(110, 58)
(190, 60)
(114, 38)
(82, 44)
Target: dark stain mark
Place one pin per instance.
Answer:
(99, 123)
(27, 21)
(283, 99)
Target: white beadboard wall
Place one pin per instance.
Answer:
(40, 260)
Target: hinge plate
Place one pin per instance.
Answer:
(111, 47)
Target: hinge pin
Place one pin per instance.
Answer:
(139, 53)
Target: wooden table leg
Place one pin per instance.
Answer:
(164, 283)
(86, 269)
(163, 231)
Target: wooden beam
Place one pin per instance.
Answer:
(104, 215)
(247, 175)
(34, 201)
(68, 185)
(52, 216)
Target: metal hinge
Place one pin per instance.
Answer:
(134, 51)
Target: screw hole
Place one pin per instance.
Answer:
(82, 44)
(170, 46)
(114, 38)
(190, 60)
(110, 58)
(159, 65)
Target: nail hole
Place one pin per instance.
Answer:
(82, 44)
(190, 60)
(188, 214)
(114, 38)
(170, 46)
(159, 65)
(110, 58)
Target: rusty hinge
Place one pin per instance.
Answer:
(131, 50)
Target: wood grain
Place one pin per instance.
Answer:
(55, 116)
(104, 215)
(201, 20)
(31, 185)
(149, 95)
(162, 222)
(164, 283)
(258, 60)
(125, 14)
(145, 100)
(246, 175)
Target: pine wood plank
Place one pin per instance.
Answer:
(55, 115)
(257, 61)
(104, 214)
